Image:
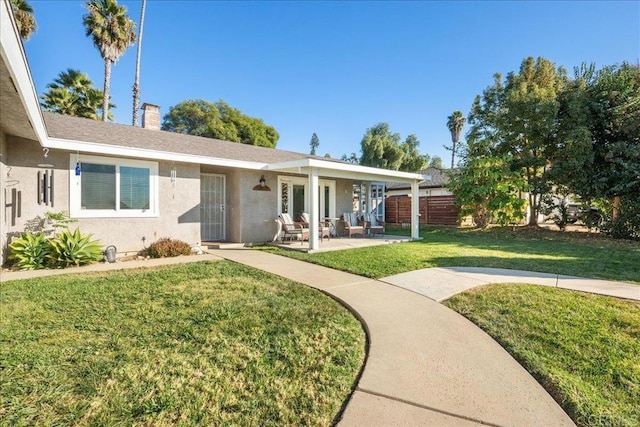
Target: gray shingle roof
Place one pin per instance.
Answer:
(87, 130)
(438, 176)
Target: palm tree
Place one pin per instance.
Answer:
(72, 93)
(112, 32)
(455, 123)
(136, 83)
(23, 12)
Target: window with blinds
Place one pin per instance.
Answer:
(98, 186)
(109, 187)
(134, 188)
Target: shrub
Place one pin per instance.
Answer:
(167, 247)
(69, 248)
(627, 224)
(30, 251)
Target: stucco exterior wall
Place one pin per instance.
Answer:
(3, 188)
(179, 214)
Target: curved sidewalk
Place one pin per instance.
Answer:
(426, 364)
(441, 283)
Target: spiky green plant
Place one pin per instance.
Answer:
(73, 249)
(30, 251)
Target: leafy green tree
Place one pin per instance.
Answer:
(136, 82)
(72, 93)
(436, 162)
(455, 123)
(352, 158)
(25, 19)
(218, 120)
(112, 32)
(314, 144)
(518, 117)
(486, 188)
(412, 160)
(381, 148)
(599, 137)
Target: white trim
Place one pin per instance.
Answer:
(144, 153)
(299, 180)
(344, 170)
(75, 189)
(15, 59)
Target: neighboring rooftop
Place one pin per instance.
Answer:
(434, 178)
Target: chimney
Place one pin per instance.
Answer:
(150, 116)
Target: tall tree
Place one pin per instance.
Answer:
(25, 19)
(599, 137)
(436, 162)
(519, 118)
(218, 120)
(136, 82)
(381, 148)
(112, 32)
(72, 93)
(412, 160)
(455, 123)
(314, 144)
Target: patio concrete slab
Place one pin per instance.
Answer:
(441, 283)
(426, 365)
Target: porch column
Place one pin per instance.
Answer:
(415, 210)
(367, 208)
(314, 207)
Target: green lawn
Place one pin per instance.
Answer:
(523, 249)
(198, 344)
(584, 349)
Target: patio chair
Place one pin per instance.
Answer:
(324, 228)
(351, 224)
(373, 225)
(291, 228)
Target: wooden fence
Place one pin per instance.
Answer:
(434, 210)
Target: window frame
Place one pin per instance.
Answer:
(75, 188)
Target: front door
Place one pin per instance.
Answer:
(212, 208)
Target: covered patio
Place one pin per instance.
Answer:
(315, 168)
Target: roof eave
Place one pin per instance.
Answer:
(14, 56)
(141, 153)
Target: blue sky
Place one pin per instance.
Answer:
(335, 68)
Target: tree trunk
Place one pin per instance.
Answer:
(453, 154)
(533, 217)
(615, 212)
(136, 84)
(105, 100)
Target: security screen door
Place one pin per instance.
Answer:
(212, 208)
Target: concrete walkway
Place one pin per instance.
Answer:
(426, 364)
(442, 283)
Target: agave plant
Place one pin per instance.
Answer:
(30, 251)
(72, 248)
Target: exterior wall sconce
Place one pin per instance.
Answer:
(262, 185)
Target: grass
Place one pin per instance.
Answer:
(584, 349)
(539, 250)
(199, 344)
